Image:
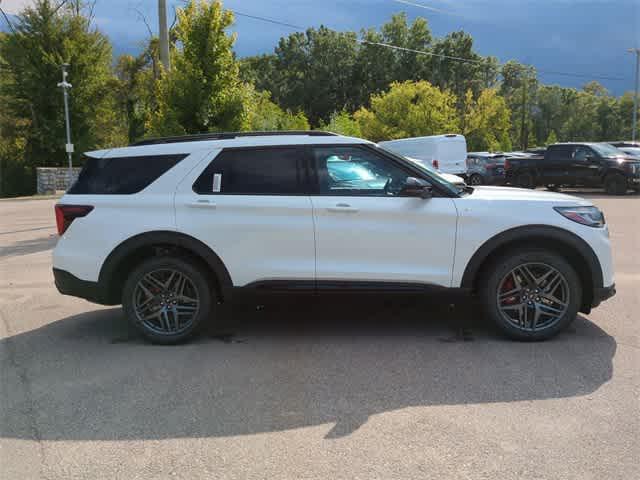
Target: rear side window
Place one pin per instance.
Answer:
(121, 175)
(563, 152)
(256, 171)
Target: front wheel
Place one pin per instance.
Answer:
(167, 299)
(615, 184)
(531, 294)
(475, 179)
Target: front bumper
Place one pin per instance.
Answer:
(69, 284)
(602, 294)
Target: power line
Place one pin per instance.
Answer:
(420, 5)
(433, 54)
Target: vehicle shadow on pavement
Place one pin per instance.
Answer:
(26, 247)
(89, 377)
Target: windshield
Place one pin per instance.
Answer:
(632, 151)
(606, 150)
(434, 176)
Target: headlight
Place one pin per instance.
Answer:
(589, 216)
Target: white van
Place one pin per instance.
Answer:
(447, 153)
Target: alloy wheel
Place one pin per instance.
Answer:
(533, 296)
(476, 180)
(166, 301)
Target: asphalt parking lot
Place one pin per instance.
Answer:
(370, 388)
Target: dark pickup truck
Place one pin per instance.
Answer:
(576, 165)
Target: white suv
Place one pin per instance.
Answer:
(173, 228)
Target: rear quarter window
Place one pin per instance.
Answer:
(562, 152)
(121, 175)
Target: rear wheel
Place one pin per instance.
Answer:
(615, 184)
(167, 299)
(475, 179)
(531, 294)
(525, 180)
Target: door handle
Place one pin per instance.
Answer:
(202, 204)
(343, 208)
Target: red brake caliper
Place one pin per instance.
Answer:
(507, 286)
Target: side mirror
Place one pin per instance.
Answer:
(416, 187)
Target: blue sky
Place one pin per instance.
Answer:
(580, 36)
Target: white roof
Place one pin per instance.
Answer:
(199, 145)
(430, 137)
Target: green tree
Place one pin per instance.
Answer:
(136, 83)
(261, 114)
(551, 139)
(625, 113)
(16, 176)
(260, 71)
(487, 122)
(45, 36)
(551, 110)
(519, 88)
(314, 72)
(377, 66)
(342, 123)
(472, 73)
(408, 109)
(202, 92)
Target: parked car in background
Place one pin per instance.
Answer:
(577, 165)
(445, 153)
(536, 150)
(625, 144)
(485, 168)
(175, 229)
(449, 177)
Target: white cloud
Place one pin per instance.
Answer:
(14, 6)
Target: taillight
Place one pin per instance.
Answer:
(435, 164)
(65, 214)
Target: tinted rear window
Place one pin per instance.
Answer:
(560, 152)
(121, 175)
(268, 171)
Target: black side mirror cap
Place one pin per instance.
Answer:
(416, 187)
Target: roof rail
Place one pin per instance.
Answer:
(199, 137)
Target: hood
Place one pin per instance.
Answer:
(524, 194)
(455, 179)
(628, 158)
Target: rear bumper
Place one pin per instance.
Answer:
(602, 294)
(68, 284)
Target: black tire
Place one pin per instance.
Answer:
(493, 282)
(615, 184)
(553, 188)
(198, 286)
(476, 179)
(525, 180)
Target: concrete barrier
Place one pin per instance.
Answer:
(51, 179)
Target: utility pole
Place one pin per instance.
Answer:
(69, 146)
(164, 34)
(523, 129)
(634, 129)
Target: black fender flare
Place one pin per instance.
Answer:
(528, 233)
(170, 238)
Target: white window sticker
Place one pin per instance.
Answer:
(217, 182)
